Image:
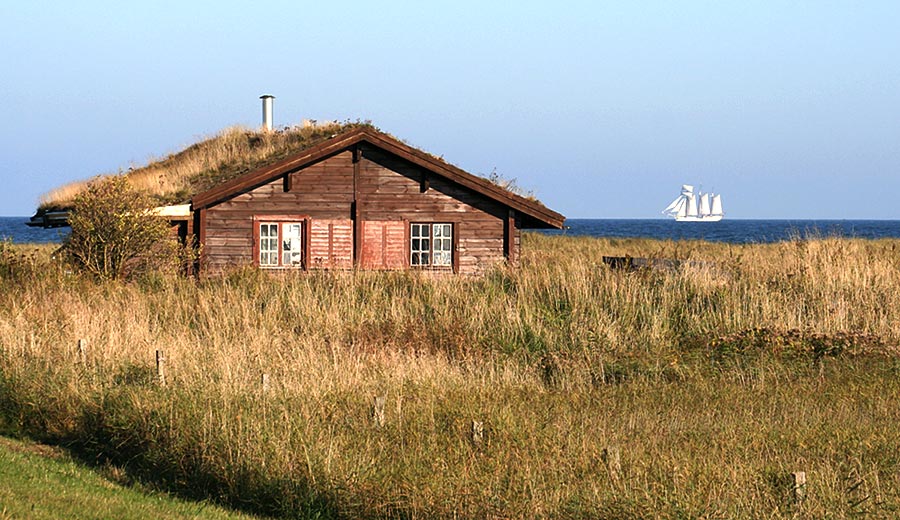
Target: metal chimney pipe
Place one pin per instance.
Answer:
(267, 111)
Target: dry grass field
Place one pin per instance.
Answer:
(562, 389)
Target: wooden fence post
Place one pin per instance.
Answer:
(798, 484)
(82, 351)
(613, 459)
(378, 411)
(477, 432)
(265, 383)
(160, 367)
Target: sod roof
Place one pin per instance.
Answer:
(174, 179)
(237, 152)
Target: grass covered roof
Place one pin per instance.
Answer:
(174, 179)
(235, 151)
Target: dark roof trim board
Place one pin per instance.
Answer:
(540, 214)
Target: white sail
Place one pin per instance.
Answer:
(673, 206)
(681, 212)
(704, 204)
(692, 206)
(717, 205)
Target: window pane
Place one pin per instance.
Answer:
(442, 258)
(292, 258)
(443, 244)
(268, 244)
(430, 244)
(291, 245)
(441, 230)
(292, 230)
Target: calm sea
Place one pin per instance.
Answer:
(734, 231)
(14, 228)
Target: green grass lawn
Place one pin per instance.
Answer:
(38, 481)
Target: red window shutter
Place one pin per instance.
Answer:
(370, 257)
(330, 244)
(394, 245)
(383, 245)
(342, 244)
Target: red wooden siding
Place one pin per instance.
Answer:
(331, 243)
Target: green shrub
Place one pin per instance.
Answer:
(115, 234)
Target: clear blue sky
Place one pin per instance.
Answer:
(790, 109)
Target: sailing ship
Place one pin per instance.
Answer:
(695, 207)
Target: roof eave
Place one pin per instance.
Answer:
(464, 178)
(249, 181)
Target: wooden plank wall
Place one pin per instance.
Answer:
(321, 191)
(389, 189)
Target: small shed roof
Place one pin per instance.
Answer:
(535, 214)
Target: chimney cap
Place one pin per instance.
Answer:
(264, 96)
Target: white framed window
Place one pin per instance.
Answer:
(431, 245)
(280, 243)
(292, 244)
(420, 244)
(268, 244)
(442, 244)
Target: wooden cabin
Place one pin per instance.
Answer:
(362, 199)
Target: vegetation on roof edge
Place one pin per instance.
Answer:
(235, 151)
(174, 179)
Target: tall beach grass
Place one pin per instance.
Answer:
(713, 382)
